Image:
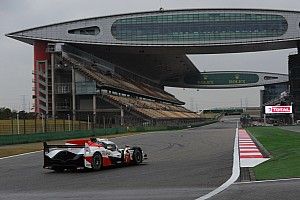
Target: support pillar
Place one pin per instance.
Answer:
(122, 116)
(52, 85)
(94, 109)
(73, 95)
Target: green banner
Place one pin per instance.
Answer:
(219, 79)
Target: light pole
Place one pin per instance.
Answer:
(292, 115)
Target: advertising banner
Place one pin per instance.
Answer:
(278, 109)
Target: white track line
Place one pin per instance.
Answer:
(266, 181)
(235, 170)
(23, 154)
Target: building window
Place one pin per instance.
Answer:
(94, 30)
(201, 27)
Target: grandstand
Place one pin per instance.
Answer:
(152, 109)
(104, 91)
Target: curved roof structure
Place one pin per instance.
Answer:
(188, 31)
(154, 44)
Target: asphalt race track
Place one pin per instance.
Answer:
(281, 189)
(182, 164)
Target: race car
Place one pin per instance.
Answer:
(93, 153)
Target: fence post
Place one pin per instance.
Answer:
(18, 124)
(12, 125)
(54, 124)
(73, 124)
(69, 122)
(46, 116)
(88, 124)
(104, 122)
(35, 123)
(24, 124)
(64, 124)
(43, 125)
(93, 122)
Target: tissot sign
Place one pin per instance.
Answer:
(278, 109)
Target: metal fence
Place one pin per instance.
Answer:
(22, 124)
(28, 124)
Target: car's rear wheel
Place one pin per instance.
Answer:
(137, 156)
(97, 161)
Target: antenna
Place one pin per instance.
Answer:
(161, 6)
(23, 102)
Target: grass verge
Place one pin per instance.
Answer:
(284, 147)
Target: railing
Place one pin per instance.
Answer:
(103, 64)
(63, 88)
(283, 97)
(88, 58)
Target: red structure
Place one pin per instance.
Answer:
(41, 58)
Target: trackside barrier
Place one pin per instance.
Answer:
(39, 137)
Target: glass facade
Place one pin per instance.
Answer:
(202, 27)
(94, 30)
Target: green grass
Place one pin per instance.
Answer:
(284, 147)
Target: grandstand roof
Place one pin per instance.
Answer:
(154, 44)
(201, 30)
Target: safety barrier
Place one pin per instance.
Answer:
(39, 137)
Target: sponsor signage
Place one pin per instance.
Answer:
(222, 79)
(278, 109)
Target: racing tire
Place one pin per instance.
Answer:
(97, 161)
(137, 156)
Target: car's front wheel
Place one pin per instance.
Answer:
(97, 161)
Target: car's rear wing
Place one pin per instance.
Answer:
(61, 155)
(60, 146)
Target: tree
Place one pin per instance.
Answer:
(5, 113)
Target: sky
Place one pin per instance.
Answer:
(16, 58)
